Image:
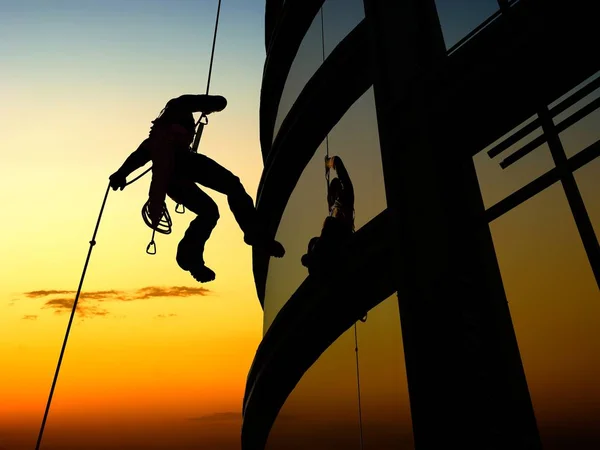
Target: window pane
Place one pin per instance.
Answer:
(588, 181)
(555, 305)
(355, 139)
(587, 130)
(322, 411)
(340, 17)
(459, 17)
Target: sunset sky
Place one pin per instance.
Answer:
(158, 361)
(153, 357)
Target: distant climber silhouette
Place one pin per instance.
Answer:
(175, 171)
(338, 226)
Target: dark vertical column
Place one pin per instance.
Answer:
(466, 381)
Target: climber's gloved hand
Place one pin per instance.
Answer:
(118, 180)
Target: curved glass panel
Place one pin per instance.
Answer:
(339, 18)
(323, 413)
(459, 17)
(356, 140)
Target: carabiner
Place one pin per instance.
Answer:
(151, 248)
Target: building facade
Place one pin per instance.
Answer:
(465, 310)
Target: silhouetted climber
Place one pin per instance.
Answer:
(338, 226)
(176, 170)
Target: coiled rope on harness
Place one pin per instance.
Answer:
(164, 227)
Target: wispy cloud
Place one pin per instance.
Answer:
(56, 300)
(173, 291)
(29, 317)
(60, 305)
(45, 293)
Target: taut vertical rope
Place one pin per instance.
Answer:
(326, 137)
(203, 119)
(355, 327)
(212, 53)
(360, 424)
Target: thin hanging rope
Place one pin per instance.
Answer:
(326, 137)
(210, 67)
(355, 327)
(360, 424)
(64, 345)
(212, 53)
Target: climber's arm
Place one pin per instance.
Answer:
(339, 167)
(134, 161)
(137, 159)
(198, 103)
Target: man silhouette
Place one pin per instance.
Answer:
(338, 226)
(176, 170)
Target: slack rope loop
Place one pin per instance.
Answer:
(64, 345)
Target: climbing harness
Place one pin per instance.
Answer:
(164, 227)
(364, 318)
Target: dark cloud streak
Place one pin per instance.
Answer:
(38, 294)
(59, 303)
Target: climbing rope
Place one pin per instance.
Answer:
(360, 424)
(164, 227)
(165, 223)
(364, 319)
(203, 119)
(64, 345)
(326, 137)
(212, 53)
